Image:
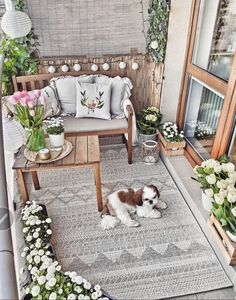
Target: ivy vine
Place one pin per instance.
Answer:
(19, 55)
(158, 26)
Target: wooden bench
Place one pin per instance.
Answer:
(40, 81)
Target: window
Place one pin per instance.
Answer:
(208, 95)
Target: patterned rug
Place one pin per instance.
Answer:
(162, 258)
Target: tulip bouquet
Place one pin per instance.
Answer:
(29, 111)
(48, 279)
(218, 181)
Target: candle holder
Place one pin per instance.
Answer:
(150, 152)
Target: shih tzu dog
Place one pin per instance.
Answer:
(121, 204)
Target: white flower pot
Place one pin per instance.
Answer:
(231, 236)
(57, 140)
(207, 202)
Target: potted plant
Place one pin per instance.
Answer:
(218, 181)
(29, 111)
(55, 130)
(148, 122)
(171, 139)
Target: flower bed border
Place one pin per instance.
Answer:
(167, 147)
(227, 247)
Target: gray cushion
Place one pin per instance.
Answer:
(88, 124)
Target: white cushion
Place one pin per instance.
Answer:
(120, 90)
(93, 100)
(72, 124)
(66, 89)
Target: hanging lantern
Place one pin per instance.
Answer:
(77, 67)
(64, 68)
(122, 65)
(135, 66)
(106, 66)
(15, 23)
(94, 67)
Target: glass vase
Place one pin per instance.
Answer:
(35, 139)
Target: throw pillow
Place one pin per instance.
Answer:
(120, 90)
(66, 90)
(93, 100)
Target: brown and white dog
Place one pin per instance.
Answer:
(144, 202)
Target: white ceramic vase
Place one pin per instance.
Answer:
(57, 140)
(207, 202)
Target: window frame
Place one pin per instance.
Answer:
(227, 89)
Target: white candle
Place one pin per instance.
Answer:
(44, 154)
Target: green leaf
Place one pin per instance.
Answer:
(223, 222)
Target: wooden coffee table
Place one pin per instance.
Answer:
(85, 153)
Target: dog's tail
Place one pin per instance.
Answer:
(108, 221)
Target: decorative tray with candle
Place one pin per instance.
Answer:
(49, 153)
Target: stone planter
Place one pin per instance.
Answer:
(171, 148)
(57, 140)
(207, 202)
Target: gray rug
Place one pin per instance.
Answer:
(162, 258)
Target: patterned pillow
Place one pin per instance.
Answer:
(120, 90)
(93, 100)
(66, 90)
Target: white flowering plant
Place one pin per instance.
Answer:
(217, 178)
(55, 126)
(149, 120)
(48, 279)
(171, 133)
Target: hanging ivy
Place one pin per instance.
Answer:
(158, 26)
(19, 55)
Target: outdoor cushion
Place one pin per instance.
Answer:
(93, 100)
(88, 124)
(66, 90)
(120, 90)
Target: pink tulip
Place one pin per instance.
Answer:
(32, 97)
(41, 100)
(24, 101)
(31, 103)
(24, 94)
(37, 93)
(13, 100)
(17, 95)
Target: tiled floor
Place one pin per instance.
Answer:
(223, 294)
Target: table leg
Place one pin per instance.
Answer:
(22, 186)
(35, 179)
(96, 170)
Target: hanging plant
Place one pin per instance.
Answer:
(19, 55)
(158, 26)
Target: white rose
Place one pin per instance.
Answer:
(94, 295)
(219, 198)
(60, 291)
(38, 222)
(221, 184)
(23, 254)
(48, 220)
(71, 297)
(53, 296)
(37, 259)
(209, 192)
(87, 285)
(228, 167)
(72, 274)
(78, 280)
(154, 45)
(25, 229)
(35, 290)
(233, 210)
(29, 238)
(99, 293)
(211, 179)
(81, 297)
(217, 168)
(35, 235)
(51, 269)
(97, 287)
(78, 289)
(52, 281)
(41, 279)
(231, 197)
(58, 268)
(41, 252)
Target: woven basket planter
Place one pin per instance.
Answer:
(171, 148)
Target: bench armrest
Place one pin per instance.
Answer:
(130, 111)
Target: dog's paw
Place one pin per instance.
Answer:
(132, 223)
(155, 214)
(161, 205)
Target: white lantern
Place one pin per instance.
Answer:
(77, 67)
(154, 45)
(15, 23)
(122, 65)
(13, 134)
(94, 67)
(135, 66)
(51, 69)
(64, 68)
(106, 67)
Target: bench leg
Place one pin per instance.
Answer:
(22, 186)
(35, 180)
(129, 148)
(97, 177)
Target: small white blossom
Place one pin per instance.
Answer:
(35, 290)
